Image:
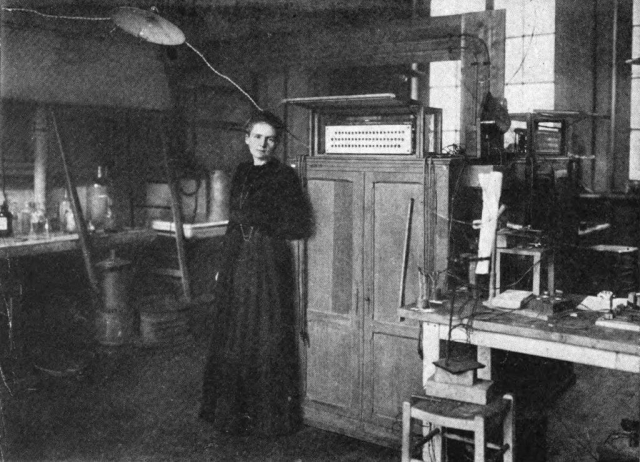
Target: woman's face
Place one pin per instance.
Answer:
(262, 142)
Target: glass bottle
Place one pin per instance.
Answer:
(65, 215)
(6, 221)
(25, 218)
(14, 209)
(110, 218)
(98, 200)
(39, 226)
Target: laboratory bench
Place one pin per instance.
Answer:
(56, 242)
(570, 336)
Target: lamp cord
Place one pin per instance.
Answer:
(56, 16)
(222, 75)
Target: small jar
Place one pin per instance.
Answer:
(39, 225)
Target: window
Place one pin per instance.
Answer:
(444, 93)
(529, 54)
(448, 7)
(529, 61)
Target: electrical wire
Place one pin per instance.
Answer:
(87, 18)
(220, 74)
(55, 16)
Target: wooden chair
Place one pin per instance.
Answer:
(439, 416)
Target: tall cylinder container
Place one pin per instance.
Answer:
(115, 321)
(219, 200)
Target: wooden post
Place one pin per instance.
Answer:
(176, 209)
(83, 235)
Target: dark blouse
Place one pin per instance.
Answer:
(269, 198)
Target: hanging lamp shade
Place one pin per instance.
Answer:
(147, 25)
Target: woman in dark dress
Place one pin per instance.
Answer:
(251, 379)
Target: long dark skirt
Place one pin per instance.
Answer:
(251, 379)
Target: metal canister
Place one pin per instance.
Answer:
(115, 320)
(219, 199)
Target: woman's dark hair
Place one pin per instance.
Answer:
(267, 118)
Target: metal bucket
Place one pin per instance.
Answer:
(164, 321)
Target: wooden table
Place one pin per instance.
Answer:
(574, 339)
(568, 338)
(59, 242)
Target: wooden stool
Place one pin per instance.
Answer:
(439, 415)
(541, 256)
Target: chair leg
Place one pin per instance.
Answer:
(509, 430)
(406, 432)
(435, 443)
(479, 439)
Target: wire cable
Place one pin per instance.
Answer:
(223, 76)
(55, 16)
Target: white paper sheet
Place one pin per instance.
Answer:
(491, 184)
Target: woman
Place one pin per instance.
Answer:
(251, 380)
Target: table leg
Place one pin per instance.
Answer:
(536, 273)
(430, 349)
(551, 274)
(484, 357)
(497, 282)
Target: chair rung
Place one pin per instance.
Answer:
(456, 437)
(464, 439)
(504, 448)
(425, 439)
(175, 273)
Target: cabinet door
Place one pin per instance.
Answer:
(391, 361)
(334, 298)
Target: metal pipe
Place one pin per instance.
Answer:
(405, 253)
(40, 158)
(594, 98)
(614, 85)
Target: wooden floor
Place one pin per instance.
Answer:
(140, 404)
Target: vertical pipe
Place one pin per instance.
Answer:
(614, 85)
(594, 97)
(414, 94)
(414, 88)
(40, 157)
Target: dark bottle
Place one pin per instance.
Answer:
(6, 221)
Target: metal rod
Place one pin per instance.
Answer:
(453, 304)
(83, 234)
(176, 209)
(302, 262)
(405, 253)
(614, 99)
(40, 158)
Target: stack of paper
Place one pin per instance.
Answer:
(511, 299)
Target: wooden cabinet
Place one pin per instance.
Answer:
(362, 362)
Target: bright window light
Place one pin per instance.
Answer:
(449, 7)
(444, 93)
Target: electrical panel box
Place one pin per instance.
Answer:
(372, 125)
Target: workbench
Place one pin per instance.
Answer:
(567, 337)
(574, 339)
(58, 242)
